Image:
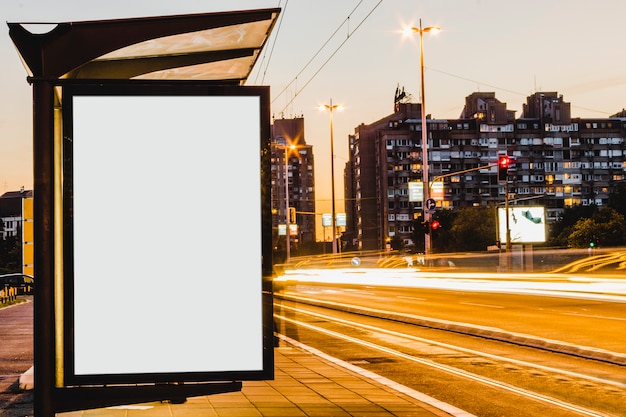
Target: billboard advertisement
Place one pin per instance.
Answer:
(527, 224)
(158, 285)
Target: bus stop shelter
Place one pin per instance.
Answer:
(212, 48)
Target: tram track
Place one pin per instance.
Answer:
(558, 380)
(470, 329)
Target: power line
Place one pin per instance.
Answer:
(329, 58)
(503, 89)
(350, 33)
(315, 55)
(280, 22)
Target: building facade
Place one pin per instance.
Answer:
(560, 161)
(11, 215)
(295, 178)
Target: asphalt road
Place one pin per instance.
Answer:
(587, 322)
(415, 355)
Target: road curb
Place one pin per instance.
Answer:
(27, 380)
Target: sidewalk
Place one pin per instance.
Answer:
(307, 383)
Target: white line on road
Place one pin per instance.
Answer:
(458, 348)
(451, 370)
(594, 317)
(450, 409)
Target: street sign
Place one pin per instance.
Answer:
(436, 190)
(431, 204)
(416, 191)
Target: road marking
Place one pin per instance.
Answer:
(449, 369)
(593, 316)
(448, 408)
(454, 347)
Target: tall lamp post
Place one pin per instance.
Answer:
(332, 107)
(425, 176)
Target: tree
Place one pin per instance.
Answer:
(396, 243)
(560, 231)
(10, 255)
(473, 229)
(617, 199)
(443, 238)
(604, 228)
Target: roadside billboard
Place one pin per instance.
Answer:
(527, 224)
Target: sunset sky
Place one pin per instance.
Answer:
(354, 53)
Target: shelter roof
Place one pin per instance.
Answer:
(220, 46)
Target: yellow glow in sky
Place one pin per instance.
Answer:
(355, 53)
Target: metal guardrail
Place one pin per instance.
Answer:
(12, 285)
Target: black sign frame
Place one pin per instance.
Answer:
(167, 89)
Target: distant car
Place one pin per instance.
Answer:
(24, 283)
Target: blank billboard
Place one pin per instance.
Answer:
(527, 224)
(161, 281)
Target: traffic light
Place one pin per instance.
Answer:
(426, 227)
(292, 215)
(434, 225)
(504, 161)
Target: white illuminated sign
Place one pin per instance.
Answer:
(416, 191)
(161, 282)
(437, 190)
(527, 224)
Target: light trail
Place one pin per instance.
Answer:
(405, 297)
(482, 305)
(561, 285)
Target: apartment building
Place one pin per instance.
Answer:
(561, 161)
(294, 178)
(11, 214)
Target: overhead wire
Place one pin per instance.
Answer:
(347, 20)
(502, 89)
(280, 22)
(320, 49)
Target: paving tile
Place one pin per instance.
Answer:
(304, 386)
(324, 412)
(238, 412)
(292, 411)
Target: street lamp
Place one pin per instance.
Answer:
(332, 107)
(425, 179)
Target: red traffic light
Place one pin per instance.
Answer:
(504, 161)
(434, 225)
